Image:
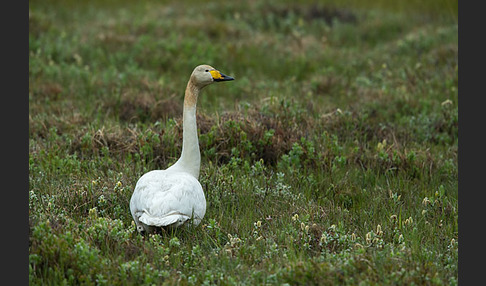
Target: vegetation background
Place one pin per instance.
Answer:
(331, 159)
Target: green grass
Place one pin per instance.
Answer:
(331, 159)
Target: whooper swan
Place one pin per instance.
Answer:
(174, 196)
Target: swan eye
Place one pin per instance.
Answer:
(206, 70)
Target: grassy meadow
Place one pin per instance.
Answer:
(330, 160)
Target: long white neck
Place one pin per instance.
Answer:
(190, 160)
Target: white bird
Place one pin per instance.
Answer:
(174, 196)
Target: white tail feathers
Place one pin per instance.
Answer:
(171, 219)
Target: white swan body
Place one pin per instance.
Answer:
(172, 197)
(164, 198)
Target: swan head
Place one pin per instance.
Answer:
(204, 75)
